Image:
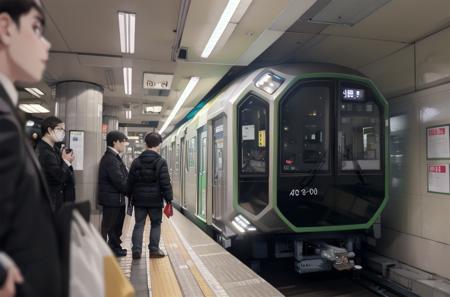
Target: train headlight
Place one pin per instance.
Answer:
(242, 224)
(269, 82)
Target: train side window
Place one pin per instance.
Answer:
(192, 152)
(304, 128)
(359, 144)
(253, 125)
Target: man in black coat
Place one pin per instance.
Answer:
(28, 236)
(148, 184)
(53, 160)
(112, 189)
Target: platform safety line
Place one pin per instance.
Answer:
(212, 281)
(176, 246)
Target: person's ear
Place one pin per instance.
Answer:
(5, 28)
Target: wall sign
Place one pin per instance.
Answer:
(439, 178)
(76, 143)
(157, 81)
(438, 142)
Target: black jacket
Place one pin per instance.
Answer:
(55, 170)
(149, 181)
(112, 180)
(69, 184)
(27, 227)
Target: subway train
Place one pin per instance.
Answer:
(296, 153)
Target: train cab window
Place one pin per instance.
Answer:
(304, 118)
(253, 124)
(253, 154)
(359, 129)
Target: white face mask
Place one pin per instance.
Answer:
(59, 135)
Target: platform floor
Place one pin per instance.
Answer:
(195, 266)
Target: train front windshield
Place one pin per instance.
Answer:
(331, 158)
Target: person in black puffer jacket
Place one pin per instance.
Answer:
(148, 185)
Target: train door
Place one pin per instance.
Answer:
(218, 166)
(202, 173)
(182, 171)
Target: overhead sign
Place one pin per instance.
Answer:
(439, 178)
(158, 81)
(438, 142)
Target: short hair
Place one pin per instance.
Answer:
(50, 122)
(153, 139)
(17, 8)
(114, 136)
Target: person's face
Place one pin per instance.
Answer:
(26, 47)
(58, 133)
(120, 146)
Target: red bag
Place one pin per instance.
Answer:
(168, 210)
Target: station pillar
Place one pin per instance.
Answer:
(80, 107)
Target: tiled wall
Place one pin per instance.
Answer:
(416, 224)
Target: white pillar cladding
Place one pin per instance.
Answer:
(80, 106)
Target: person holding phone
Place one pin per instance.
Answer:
(55, 162)
(69, 182)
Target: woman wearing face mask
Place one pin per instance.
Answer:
(54, 162)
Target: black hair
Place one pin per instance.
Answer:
(153, 139)
(50, 122)
(17, 8)
(114, 136)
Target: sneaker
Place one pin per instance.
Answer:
(157, 254)
(136, 255)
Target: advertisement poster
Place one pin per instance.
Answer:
(76, 143)
(438, 142)
(439, 178)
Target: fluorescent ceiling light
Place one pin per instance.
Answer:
(133, 137)
(35, 92)
(127, 30)
(220, 27)
(127, 79)
(33, 108)
(187, 91)
(128, 114)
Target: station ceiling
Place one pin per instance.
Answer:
(86, 45)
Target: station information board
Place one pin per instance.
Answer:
(438, 142)
(439, 178)
(76, 143)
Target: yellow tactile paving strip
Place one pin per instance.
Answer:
(169, 235)
(164, 282)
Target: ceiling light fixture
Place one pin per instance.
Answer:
(127, 79)
(128, 114)
(33, 108)
(35, 92)
(220, 27)
(187, 91)
(127, 30)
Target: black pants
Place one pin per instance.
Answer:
(112, 224)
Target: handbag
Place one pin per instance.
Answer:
(130, 208)
(168, 210)
(94, 271)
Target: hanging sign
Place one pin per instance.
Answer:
(439, 178)
(438, 142)
(157, 81)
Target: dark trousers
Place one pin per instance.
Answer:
(112, 224)
(140, 214)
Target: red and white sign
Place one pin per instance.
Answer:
(438, 142)
(439, 178)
